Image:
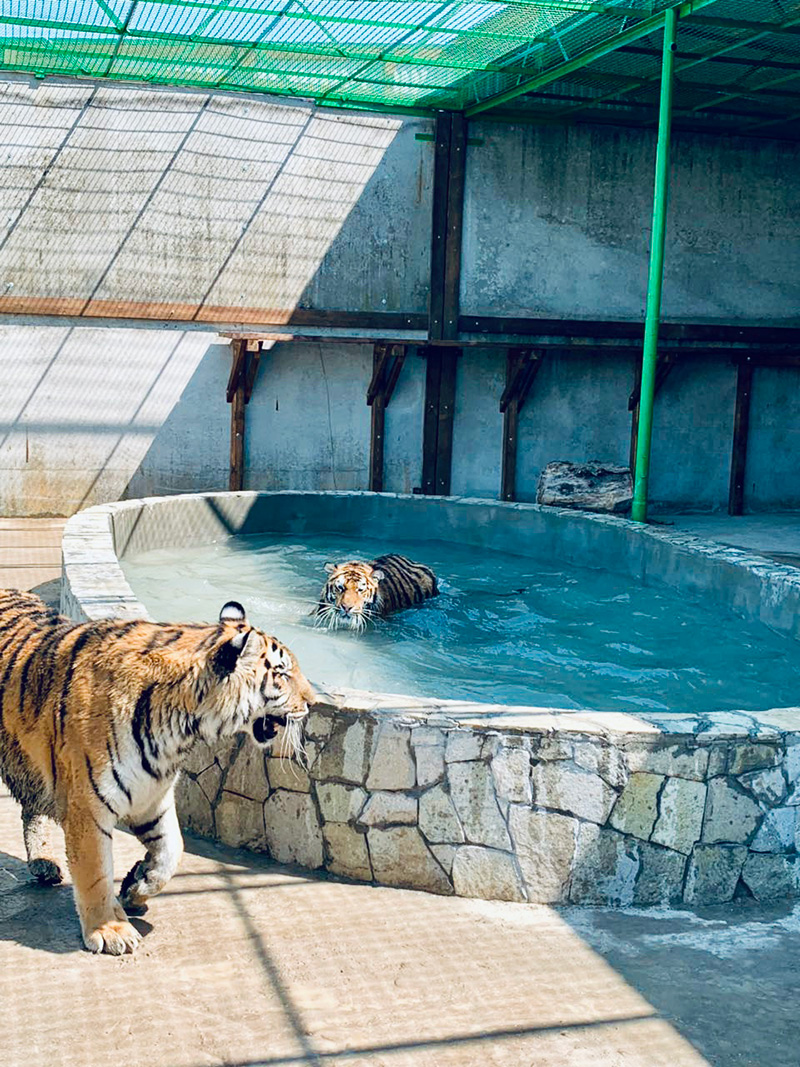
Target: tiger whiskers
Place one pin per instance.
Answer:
(292, 747)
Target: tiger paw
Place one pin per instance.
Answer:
(133, 891)
(46, 872)
(116, 937)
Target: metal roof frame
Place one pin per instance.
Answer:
(735, 64)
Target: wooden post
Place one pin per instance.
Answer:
(244, 367)
(455, 220)
(448, 362)
(238, 403)
(741, 426)
(387, 362)
(522, 366)
(430, 425)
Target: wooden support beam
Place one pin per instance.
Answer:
(444, 433)
(455, 221)
(245, 356)
(238, 405)
(430, 423)
(741, 426)
(239, 353)
(387, 362)
(522, 366)
(447, 216)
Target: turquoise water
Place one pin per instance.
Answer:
(505, 629)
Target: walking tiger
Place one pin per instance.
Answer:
(95, 721)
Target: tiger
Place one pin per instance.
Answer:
(357, 592)
(96, 719)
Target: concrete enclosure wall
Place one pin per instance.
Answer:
(557, 223)
(189, 210)
(95, 414)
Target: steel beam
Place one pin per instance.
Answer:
(656, 274)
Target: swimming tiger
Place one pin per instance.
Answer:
(356, 592)
(95, 721)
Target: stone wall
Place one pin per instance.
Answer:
(539, 816)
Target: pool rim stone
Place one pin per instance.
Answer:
(536, 804)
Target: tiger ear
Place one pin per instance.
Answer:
(378, 575)
(243, 645)
(232, 612)
(330, 568)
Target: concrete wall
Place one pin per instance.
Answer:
(184, 205)
(145, 203)
(557, 223)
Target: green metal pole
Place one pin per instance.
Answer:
(656, 275)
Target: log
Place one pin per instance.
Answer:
(590, 486)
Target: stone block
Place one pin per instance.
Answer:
(791, 762)
(346, 753)
(292, 829)
(770, 877)
(199, 758)
(605, 867)
(660, 878)
(752, 757)
(550, 747)
(288, 774)
(210, 780)
(437, 817)
(589, 486)
(445, 855)
(768, 786)
(463, 745)
(347, 852)
(564, 787)
(194, 808)
(680, 818)
(427, 735)
(731, 815)
(486, 873)
(511, 768)
(339, 803)
(247, 776)
(240, 821)
(605, 760)
(401, 858)
(389, 809)
(637, 808)
(777, 831)
(392, 766)
(717, 760)
(319, 725)
(544, 843)
(473, 796)
(678, 761)
(713, 874)
(430, 764)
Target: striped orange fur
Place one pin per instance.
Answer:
(95, 722)
(356, 592)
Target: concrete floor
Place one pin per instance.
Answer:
(246, 963)
(774, 536)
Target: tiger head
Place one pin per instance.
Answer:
(260, 685)
(351, 596)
